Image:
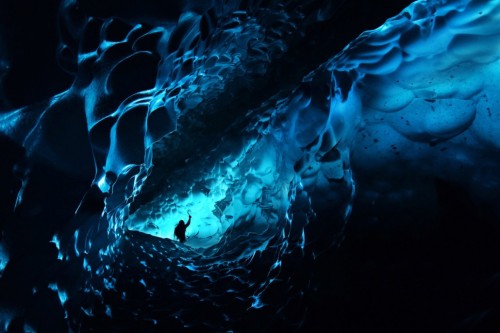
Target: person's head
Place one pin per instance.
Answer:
(181, 222)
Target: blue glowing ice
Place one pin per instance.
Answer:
(179, 118)
(4, 258)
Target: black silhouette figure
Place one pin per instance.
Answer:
(180, 230)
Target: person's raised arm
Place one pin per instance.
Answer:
(189, 221)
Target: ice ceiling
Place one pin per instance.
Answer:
(224, 111)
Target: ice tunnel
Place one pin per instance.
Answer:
(333, 155)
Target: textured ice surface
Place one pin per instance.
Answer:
(198, 113)
(433, 107)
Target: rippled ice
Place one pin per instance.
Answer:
(187, 116)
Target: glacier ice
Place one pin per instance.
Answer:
(248, 116)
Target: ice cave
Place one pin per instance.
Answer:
(340, 161)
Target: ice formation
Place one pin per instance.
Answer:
(204, 112)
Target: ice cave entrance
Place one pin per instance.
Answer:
(207, 224)
(250, 196)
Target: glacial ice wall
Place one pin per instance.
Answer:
(423, 90)
(198, 113)
(432, 108)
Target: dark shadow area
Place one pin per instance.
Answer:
(30, 35)
(443, 280)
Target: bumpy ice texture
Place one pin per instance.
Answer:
(192, 114)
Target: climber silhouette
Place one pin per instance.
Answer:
(180, 230)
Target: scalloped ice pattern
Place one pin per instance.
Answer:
(197, 114)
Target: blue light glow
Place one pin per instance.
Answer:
(4, 258)
(222, 112)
